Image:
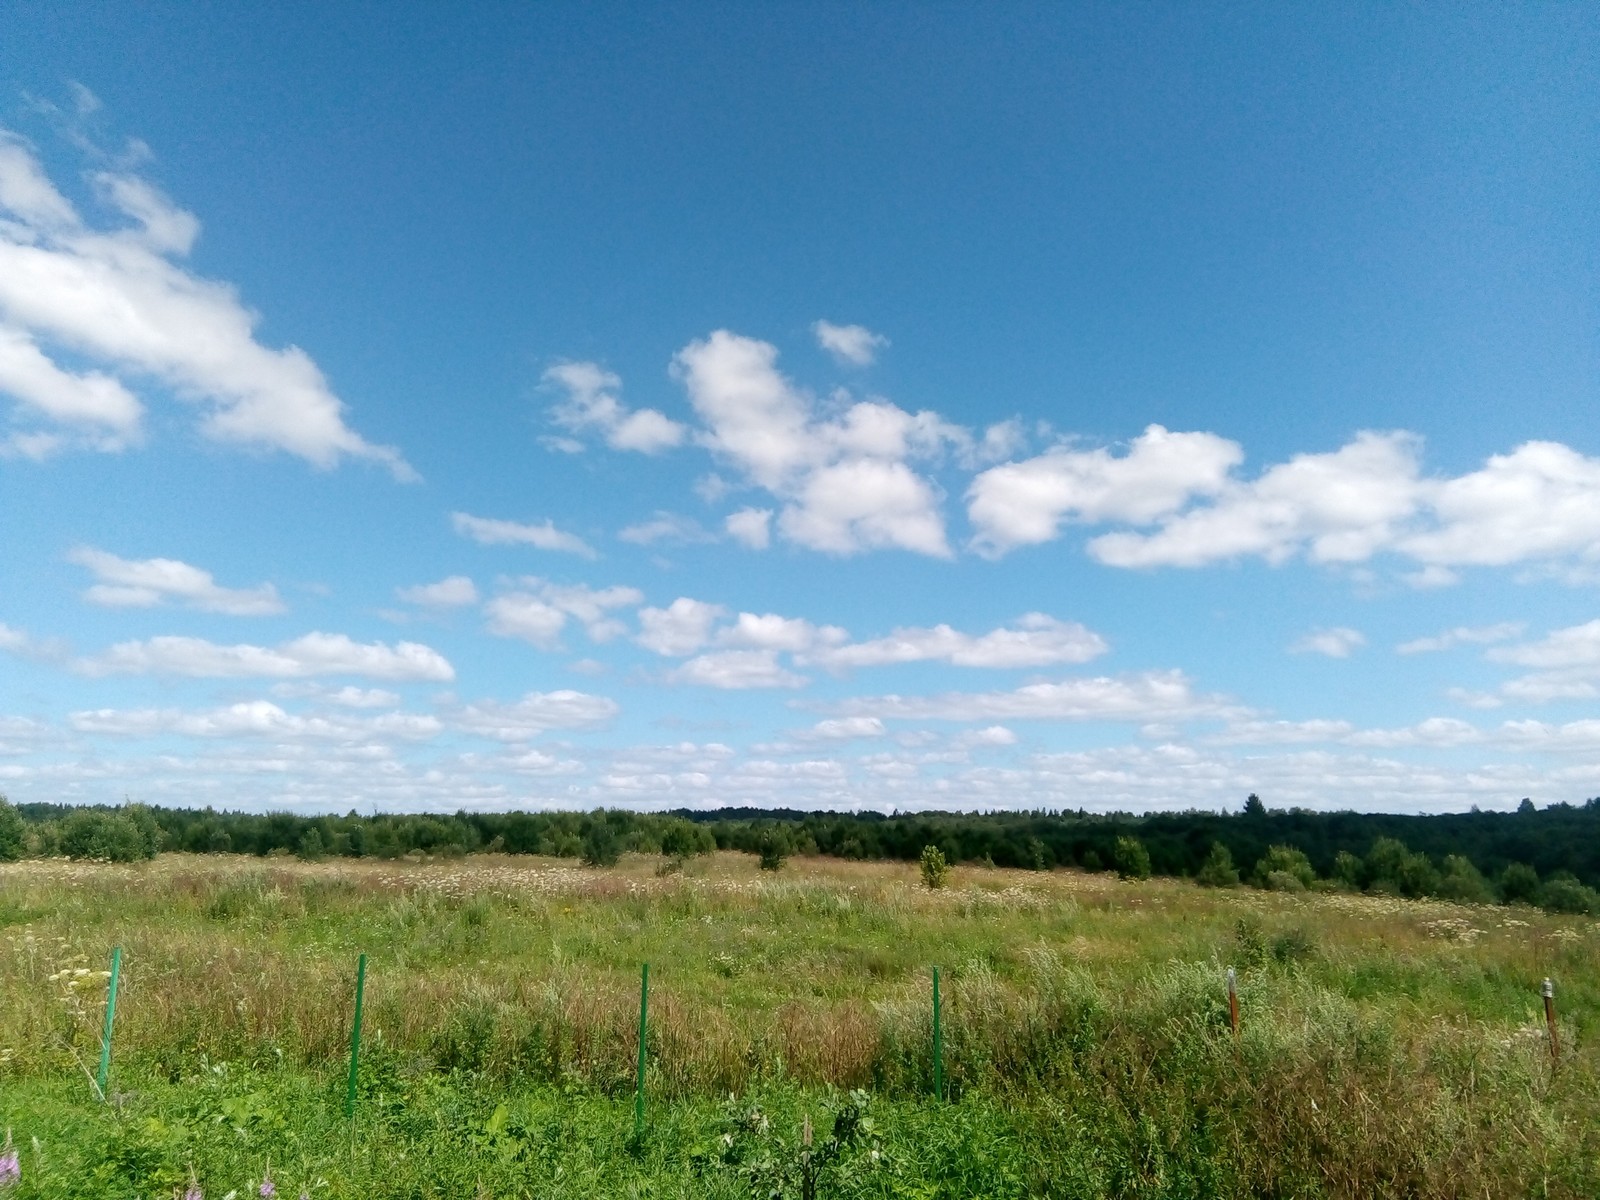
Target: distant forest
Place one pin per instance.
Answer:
(1548, 856)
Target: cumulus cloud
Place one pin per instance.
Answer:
(1027, 502)
(120, 298)
(846, 728)
(769, 631)
(845, 482)
(254, 718)
(751, 527)
(490, 531)
(1567, 662)
(683, 627)
(1152, 695)
(537, 611)
(1338, 642)
(145, 583)
(348, 696)
(456, 591)
(854, 345)
(1538, 504)
(591, 406)
(312, 655)
(535, 713)
(1035, 640)
(736, 670)
(1463, 635)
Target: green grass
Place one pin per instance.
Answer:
(1388, 1047)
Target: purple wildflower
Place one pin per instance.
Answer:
(268, 1188)
(10, 1168)
(193, 1192)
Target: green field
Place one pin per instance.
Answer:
(1388, 1047)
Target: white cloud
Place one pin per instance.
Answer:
(1338, 642)
(105, 412)
(990, 735)
(845, 728)
(1280, 733)
(1463, 635)
(769, 631)
(535, 713)
(255, 718)
(1035, 640)
(456, 591)
(591, 405)
(1025, 503)
(1340, 507)
(750, 527)
(519, 615)
(120, 298)
(855, 345)
(145, 583)
(1567, 662)
(348, 696)
(1538, 504)
(312, 655)
(1148, 696)
(538, 612)
(490, 531)
(736, 669)
(845, 482)
(681, 628)
(666, 527)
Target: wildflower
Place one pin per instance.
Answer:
(268, 1188)
(10, 1164)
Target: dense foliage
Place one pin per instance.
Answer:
(1548, 856)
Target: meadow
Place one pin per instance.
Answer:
(1386, 1046)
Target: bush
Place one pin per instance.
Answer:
(685, 839)
(935, 871)
(119, 835)
(1348, 869)
(1218, 869)
(1519, 884)
(1463, 882)
(1130, 858)
(1393, 867)
(1562, 893)
(1284, 869)
(600, 845)
(770, 846)
(12, 841)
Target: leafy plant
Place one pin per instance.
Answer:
(935, 871)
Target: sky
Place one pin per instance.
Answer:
(878, 407)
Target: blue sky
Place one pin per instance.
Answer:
(883, 406)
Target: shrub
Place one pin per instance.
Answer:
(119, 835)
(12, 842)
(1519, 884)
(1562, 893)
(1038, 855)
(684, 839)
(1218, 869)
(1284, 869)
(770, 846)
(935, 871)
(1463, 882)
(1393, 867)
(1130, 858)
(600, 846)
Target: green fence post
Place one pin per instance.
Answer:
(355, 1038)
(644, 1012)
(111, 1016)
(938, 1042)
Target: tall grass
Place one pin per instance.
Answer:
(1388, 1047)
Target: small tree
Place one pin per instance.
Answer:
(1284, 869)
(12, 840)
(1461, 880)
(1130, 858)
(935, 871)
(1218, 869)
(1519, 884)
(600, 846)
(770, 846)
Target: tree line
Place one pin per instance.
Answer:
(1549, 856)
